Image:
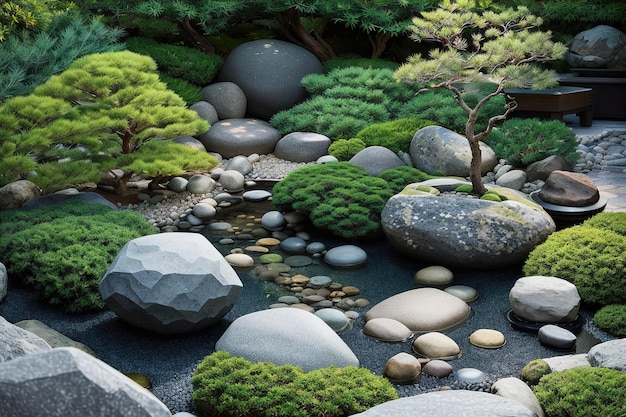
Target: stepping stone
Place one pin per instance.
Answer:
(470, 375)
(403, 369)
(320, 281)
(219, 226)
(268, 241)
(437, 368)
(557, 337)
(387, 330)
(465, 293)
(435, 345)
(487, 338)
(270, 258)
(345, 256)
(279, 267)
(256, 195)
(434, 275)
(298, 260)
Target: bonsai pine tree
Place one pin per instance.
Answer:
(501, 47)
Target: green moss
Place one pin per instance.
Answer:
(612, 319)
(400, 177)
(583, 392)
(534, 371)
(344, 149)
(464, 188)
(395, 135)
(232, 386)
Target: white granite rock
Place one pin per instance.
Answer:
(543, 299)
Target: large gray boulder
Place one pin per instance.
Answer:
(15, 194)
(269, 72)
(465, 232)
(609, 355)
(286, 336)
(228, 100)
(302, 147)
(68, 382)
(600, 47)
(543, 299)
(16, 342)
(4, 281)
(170, 283)
(440, 151)
(376, 159)
(232, 137)
(450, 403)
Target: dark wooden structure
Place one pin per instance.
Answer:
(609, 90)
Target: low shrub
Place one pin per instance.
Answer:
(344, 149)
(524, 141)
(614, 221)
(593, 259)
(64, 250)
(231, 386)
(394, 134)
(612, 319)
(583, 392)
(189, 92)
(400, 177)
(361, 62)
(341, 198)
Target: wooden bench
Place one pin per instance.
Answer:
(553, 103)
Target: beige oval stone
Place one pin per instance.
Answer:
(239, 260)
(389, 330)
(402, 367)
(487, 338)
(300, 279)
(350, 291)
(422, 310)
(280, 280)
(437, 368)
(256, 249)
(434, 275)
(436, 345)
(268, 241)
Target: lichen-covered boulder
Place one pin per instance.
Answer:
(170, 283)
(69, 382)
(465, 232)
(269, 72)
(232, 137)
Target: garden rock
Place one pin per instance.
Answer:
(573, 189)
(56, 198)
(565, 362)
(204, 211)
(600, 47)
(227, 98)
(609, 355)
(388, 330)
(437, 368)
(302, 147)
(462, 232)
(286, 336)
(15, 194)
(4, 281)
(449, 403)
(232, 137)
(232, 181)
(16, 342)
(440, 151)
(517, 390)
(177, 184)
(31, 386)
(345, 256)
(464, 292)
(206, 111)
(541, 170)
(541, 299)
(487, 338)
(326, 159)
(200, 184)
(269, 71)
(376, 159)
(557, 337)
(514, 179)
(239, 163)
(335, 319)
(422, 310)
(434, 275)
(273, 220)
(189, 141)
(51, 336)
(469, 375)
(293, 244)
(436, 345)
(170, 283)
(403, 367)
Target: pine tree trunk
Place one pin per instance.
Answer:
(294, 31)
(378, 41)
(199, 41)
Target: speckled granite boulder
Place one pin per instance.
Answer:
(609, 355)
(68, 382)
(302, 147)
(232, 137)
(15, 194)
(269, 71)
(170, 283)
(599, 47)
(465, 232)
(16, 342)
(376, 159)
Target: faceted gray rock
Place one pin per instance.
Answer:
(517, 390)
(286, 336)
(269, 72)
(600, 47)
(15, 194)
(232, 137)
(232, 180)
(440, 151)
(206, 111)
(376, 159)
(239, 163)
(227, 98)
(464, 232)
(556, 337)
(450, 403)
(189, 141)
(573, 189)
(609, 355)
(51, 336)
(4, 281)
(200, 184)
(16, 342)
(302, 147)
(514, 179)
(541, 299)
(48, 199)
(170, 283)
(68, 382)
(541, 170)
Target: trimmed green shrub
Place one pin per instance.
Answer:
(189, 92)
(583, 392)
(534, 371)
(614, 221)
(394, 134)
(361, 62)
(340, 197)
(177, 61)
(344, 149)
(524, 141)
(232, 386)
(400, 177)
(612, 319)
(63, 250)
(593, 259)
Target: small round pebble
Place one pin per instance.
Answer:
(487, 338)
(434, 275)
(293, 245)
(315, 247)
(437, 368)
(470, 375)
(465, 293)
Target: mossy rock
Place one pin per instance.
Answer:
(534, 371)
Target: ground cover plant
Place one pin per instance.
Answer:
(63, 250)
(612, 319)
(226, 385)
(395, 134)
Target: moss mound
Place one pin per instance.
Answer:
(534, 371)
(612, 319)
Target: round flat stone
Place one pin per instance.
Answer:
(219, 226)
(465, 293)
(487, 338)
(273, 220)
(256, 249)
(302, 280)
(239, 260)
(298, 260)
(435, 345)
(434, 275)
(345, 256)
(279, 267)
(226, 241)
(270, 258)
(293, 245)
(557, 337)
(268, 241)
(315, 247)
(469, 375)
(289, 299)
(336, 319)
(320, 281)
(388, 330)
(256, 195)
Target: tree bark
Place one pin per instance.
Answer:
(199, 41)
(378, 43)
(294, 31)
